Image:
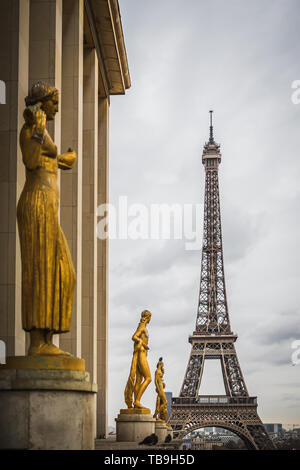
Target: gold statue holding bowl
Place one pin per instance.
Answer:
(48, 276)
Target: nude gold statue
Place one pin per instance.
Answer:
(161, 411)
(48, 276)
(140, 376)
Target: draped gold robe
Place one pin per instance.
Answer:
(48, 276)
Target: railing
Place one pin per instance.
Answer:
(214, 400)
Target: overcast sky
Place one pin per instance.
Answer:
(238, 58)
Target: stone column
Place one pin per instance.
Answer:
(45, 44)
(14, 44)
(45, 51)
(89, 210)
(102, 281)
(71, 136)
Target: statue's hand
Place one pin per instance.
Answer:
(40, 121)
(71, 155)
(66, 160)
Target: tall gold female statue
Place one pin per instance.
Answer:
(161, 411)
(140, 376)
(48, 276)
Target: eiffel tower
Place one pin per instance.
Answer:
(214, 339)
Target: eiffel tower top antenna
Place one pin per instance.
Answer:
(211, 130)
(211, 152)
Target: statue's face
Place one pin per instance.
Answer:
(147, 316)
(50, 107)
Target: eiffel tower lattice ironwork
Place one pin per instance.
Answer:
(213, 338)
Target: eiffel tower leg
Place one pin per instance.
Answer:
(193, 376)
(233, 377)
(260, 437)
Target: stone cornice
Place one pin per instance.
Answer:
(106, 33)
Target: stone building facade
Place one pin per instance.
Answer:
(77, 46)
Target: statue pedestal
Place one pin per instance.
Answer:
(133, 425)
(47, 409)
(161, 430)
(44, 363)
(170, 430)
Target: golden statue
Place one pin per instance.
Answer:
(48, 276)
(161, 411)
(140, 376)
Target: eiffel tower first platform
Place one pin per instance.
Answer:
(213, 338)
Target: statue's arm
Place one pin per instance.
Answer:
(137, 336)
(32, 136)
(156, 381)
(66, 160)
(31, 149)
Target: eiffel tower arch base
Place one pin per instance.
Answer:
(242, 419)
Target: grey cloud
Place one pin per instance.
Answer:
(291, 385)
(284, 327)
(161, 257)
(268, 355)
(241, 231)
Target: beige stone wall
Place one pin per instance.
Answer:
(102, 272)
(14, 42)
(45, 59)
(71, 136)
(89, 208)
(45, 40)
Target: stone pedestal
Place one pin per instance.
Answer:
(170, 430)
(161, 430)
(44, 363)
(46, 409)
(134, 425)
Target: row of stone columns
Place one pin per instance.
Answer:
(44, 40)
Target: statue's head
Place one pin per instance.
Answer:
(146, 316)
(160, 362)
(46, 96)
